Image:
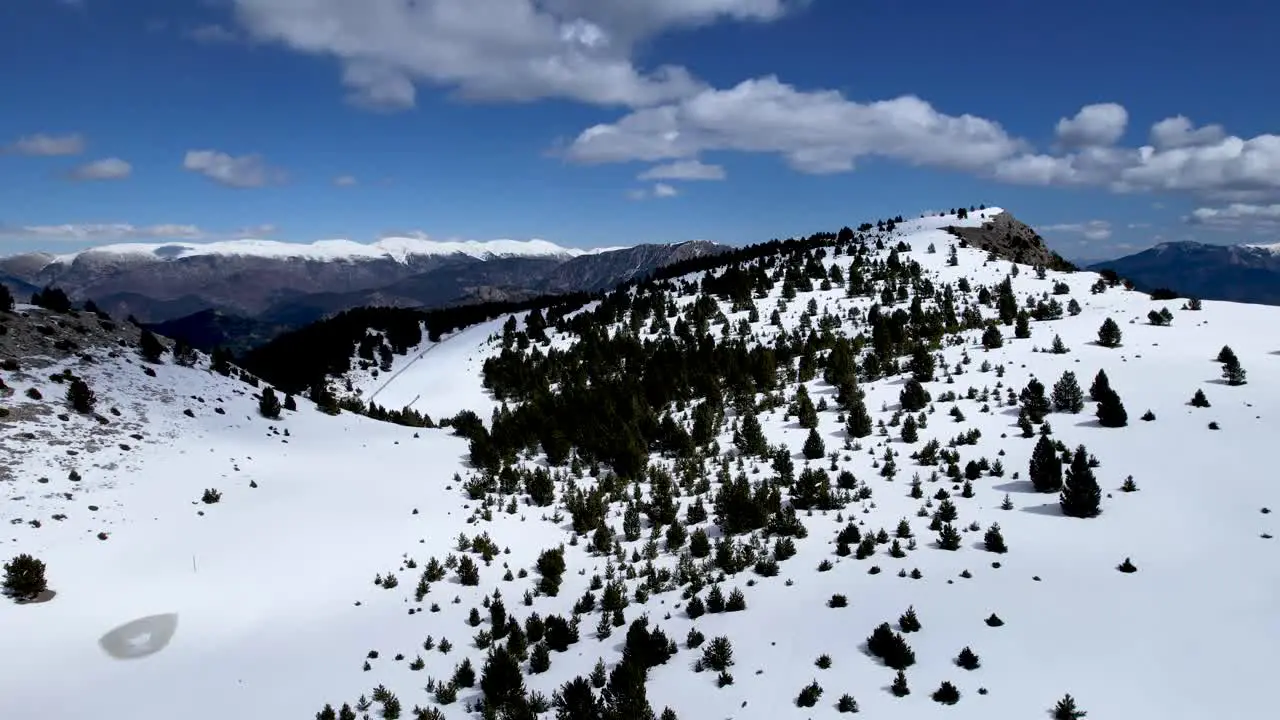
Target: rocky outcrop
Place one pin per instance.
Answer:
(1011, 239)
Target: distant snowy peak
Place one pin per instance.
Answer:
(1193, 246)
(1273, 248)
(397, 248)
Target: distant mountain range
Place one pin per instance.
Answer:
(241, 293)
(1237, 273)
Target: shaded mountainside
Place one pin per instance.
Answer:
(240, 299)
(1238, 273)
(214, 328)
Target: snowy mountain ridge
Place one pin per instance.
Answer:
(397, 248)
(281, 587)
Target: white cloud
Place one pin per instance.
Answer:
(240, 172)
(47, 145)
(657, 190)
(103, 232)
(1178, 131)
(495, 49)
(344, 180)
(821, 131)
(817, 132)
(587, 51)
(1097, 125)
(104, 169)
(1091, 230)
(1203, 162)
(683, 170)
(99, 233)
(1238, 216)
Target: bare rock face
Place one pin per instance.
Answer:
(1011, 239)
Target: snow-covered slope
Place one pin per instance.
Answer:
(274, 587)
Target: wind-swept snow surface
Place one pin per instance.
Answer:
(278, 612)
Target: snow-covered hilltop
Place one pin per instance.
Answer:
(766, 461)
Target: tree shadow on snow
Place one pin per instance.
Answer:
(1217, 381)
(1052, 509)
(1015, 486)
(1089, 423)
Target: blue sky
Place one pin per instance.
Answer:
(610, 122)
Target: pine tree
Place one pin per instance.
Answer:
(24, 578)
(1045, 471)
(751, 439)
(501, 680)
(921, 364)
(150, 347)
(575, 700)
(899, 687)
(539, 659)
(1100, 385)
(859, 424)
(80, 397)
(994, 540)
(1034, 401)
(968, 660)
(1022, 328)
(992, 338)
(1111, 412)
(814, 448)
(948, 537)
(269, 404)
(1058, 347)
(220, 362)
(910, 429)
(913, 396)
(183, 353)
(6, 298)
(1109, 334)
(1199, 400)
(1067, 395)
(1227, 355)
(1066, 709)
(1081, 496)
(908, 621)
(806, 414)
(1232, 372)
(1024, 423)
